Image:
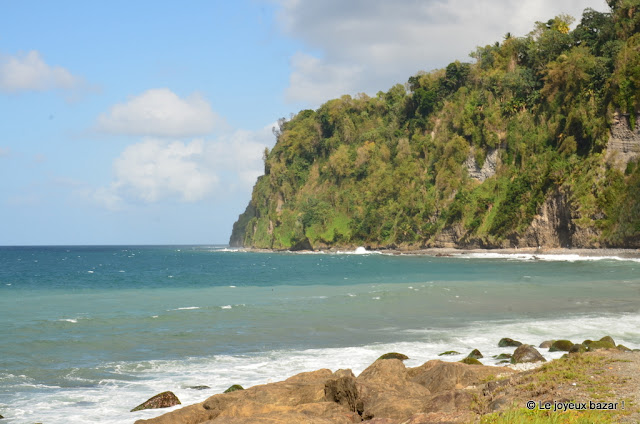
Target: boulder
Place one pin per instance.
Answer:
(386, 391)
(234, 388)
(561, 346)
(608, 339)
(475, 353)
(623, 348)
(577, 348)
(526, 353)
(449, 352)
(546, 344)
(198, 387)
(470, 361)
(162, 400)
(599, 345)
(507, 342)
(503, 356)
(393, 355)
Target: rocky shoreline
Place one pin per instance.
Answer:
(622, 253)
(597, 379)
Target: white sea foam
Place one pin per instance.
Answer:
(110, 401)
(226, 307)
(90, 272)
(184, 308)
(542, 257)
(359, 251)
(69, 320)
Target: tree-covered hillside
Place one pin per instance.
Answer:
(534, 143)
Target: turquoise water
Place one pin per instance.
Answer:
(90, 332)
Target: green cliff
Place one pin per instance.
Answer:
(535, 143)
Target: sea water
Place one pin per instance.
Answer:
(88, 333)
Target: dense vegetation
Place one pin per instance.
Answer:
(393, 170)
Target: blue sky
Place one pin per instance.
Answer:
(145, 122)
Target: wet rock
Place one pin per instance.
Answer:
(162, 400)
(449, 352)
(234, 388)
(561, 346)
(475, 353)
(198, 387)
(526, 353)
(546, 344)
(503, 356)
(470, 361)
(393, 355)
(507, 342)
(623, 348)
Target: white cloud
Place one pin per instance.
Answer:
(156, 169)
(159, 170)
(29, 72)
(161, 113)
(370, 45)
(237, 157)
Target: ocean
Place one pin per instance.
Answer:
(88, 333)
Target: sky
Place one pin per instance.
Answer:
(145, 122)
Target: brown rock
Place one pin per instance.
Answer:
(438, 376)
(162, 400)
(450, 401)
(546, 344)
(526, 353)
(439, 418)
(311, 413)
(386, 391)
(343, 391)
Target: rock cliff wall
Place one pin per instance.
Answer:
(624, 143)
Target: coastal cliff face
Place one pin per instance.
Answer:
(520, 148)
(624, 144)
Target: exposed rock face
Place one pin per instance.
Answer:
(489, 166)
(239, 227)
(162, 400)
(554, 226)
(385, 393)
(624, 143)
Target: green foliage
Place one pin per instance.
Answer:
(394, 169)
